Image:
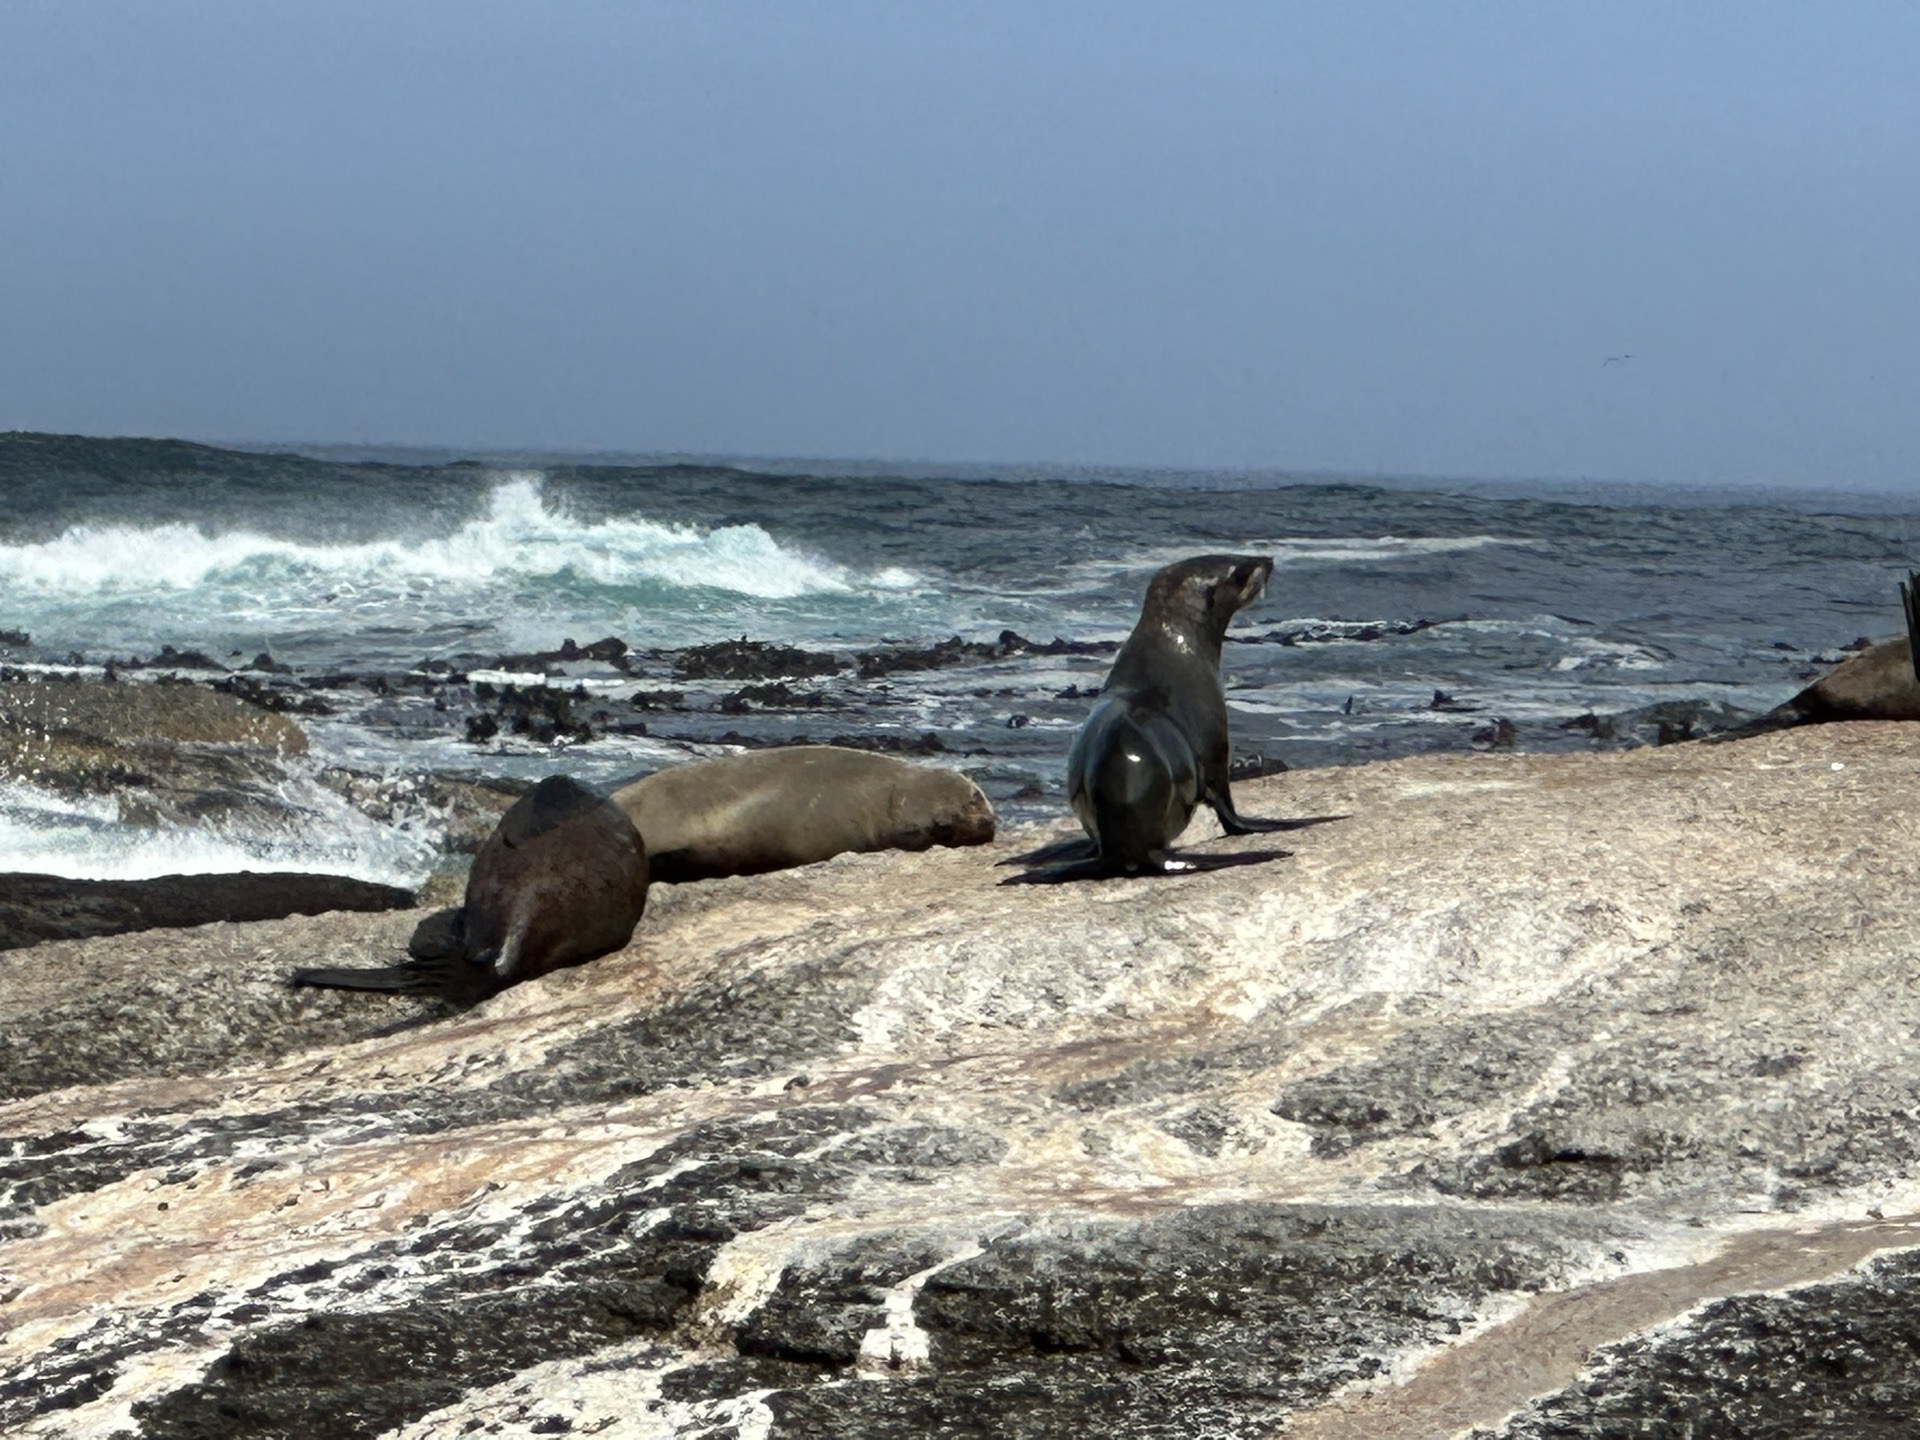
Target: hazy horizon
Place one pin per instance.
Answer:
(1479, 241)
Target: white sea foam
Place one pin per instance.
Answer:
(1287, 552)
(1300, 551)
(46, 834)
(523, 533)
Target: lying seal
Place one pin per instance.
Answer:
(774, 809)
(561, 879)
(1155, 747)
(1876, 684)
(1881, 682)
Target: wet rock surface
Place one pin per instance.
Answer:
(51, 907)
(1584, 1072)
(171, 751)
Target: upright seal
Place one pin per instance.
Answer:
(1155, 747)
(562, 879)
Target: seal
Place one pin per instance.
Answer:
(1155, 747)
(1881, 682)
(775, 809)
(562, 879)
(1876, 684)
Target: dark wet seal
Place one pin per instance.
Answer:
(1155, 746)
(562, 879)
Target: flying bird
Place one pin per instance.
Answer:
(1614, 360)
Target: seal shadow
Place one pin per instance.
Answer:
(1078, 859)
(1095, 868)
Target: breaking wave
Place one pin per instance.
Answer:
(86, 838)
(522, 535)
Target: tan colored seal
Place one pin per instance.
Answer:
(774, 809)
(1876, 684)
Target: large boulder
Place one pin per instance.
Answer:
(1533, 1063)
(169, 751)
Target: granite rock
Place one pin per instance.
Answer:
(1537, 1087)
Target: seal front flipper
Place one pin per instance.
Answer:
(1232, 860)
(441, 936)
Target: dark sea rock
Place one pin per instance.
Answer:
(658, 699)
(49, 907)
(539, 713)
(745, 659)
(281, 699)
(876, 664)
(172, 659)
(610, 651)
(775, 696)
(1671, 722)
(1500, 735)
(170, 751)
(1255, 767)
(892, 742)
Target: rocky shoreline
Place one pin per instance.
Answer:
(416, 766)
(1593, 1071)
(1000, 708)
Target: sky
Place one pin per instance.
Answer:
(1374, 238)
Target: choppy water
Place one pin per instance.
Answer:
(1533, 604)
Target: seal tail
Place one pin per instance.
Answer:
(1910, 599)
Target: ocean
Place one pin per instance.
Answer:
(421, 604)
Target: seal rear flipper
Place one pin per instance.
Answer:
(1234, 823)
(451, 978)
(399, 979)
(1078, 848)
